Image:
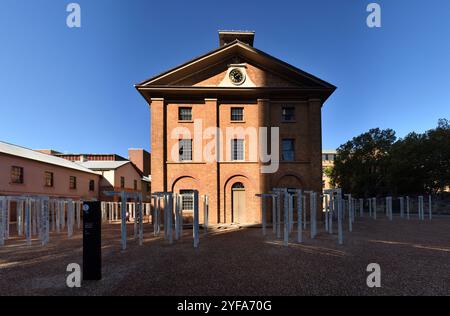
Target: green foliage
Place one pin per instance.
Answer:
(376, 163)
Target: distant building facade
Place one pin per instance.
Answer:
(48, 172)
(26, 172)
(118, 173)
(328, 158)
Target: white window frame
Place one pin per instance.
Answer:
(232, 149)
(179, 148)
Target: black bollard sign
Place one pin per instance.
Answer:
(92, 241)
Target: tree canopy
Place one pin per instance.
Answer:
(377, 163)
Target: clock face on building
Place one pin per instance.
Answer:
(237, 77)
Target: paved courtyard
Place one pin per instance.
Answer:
(414, 258)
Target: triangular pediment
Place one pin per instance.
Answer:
(260, 70)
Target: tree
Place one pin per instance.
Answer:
(361, 164)
(375, 163)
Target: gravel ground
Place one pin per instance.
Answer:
(414, 258)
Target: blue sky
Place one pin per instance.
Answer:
(72, 89)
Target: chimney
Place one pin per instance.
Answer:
(226, 37)
(141, 159)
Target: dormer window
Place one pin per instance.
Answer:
(185, 114)
(237, 114)
(288, 114)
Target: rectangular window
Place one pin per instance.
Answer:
(237, 114)
(187, 200)
(135, 185)
(237, 149)
(48, 179)
(288, 114)
(288, 150)
(185, 114)
(73, 183)
(185, 149)
(91, 185)
(16, 175)
(122, 182)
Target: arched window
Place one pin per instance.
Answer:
(238, 185)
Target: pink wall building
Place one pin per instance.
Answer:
(27, 172)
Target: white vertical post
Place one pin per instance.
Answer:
(278, 214)
(180, 216)
(304, 211)
(291, 213)
(34, 216)
(78, 209)
(135, 222)
(58, 216)
(6, 223)
(286, 217)
(361, 207)
(123, 226)
(196, 220)
(326, 212)
(402, 207)
(407, 207)
(53, 215)
(70, 213)
(420, 207)
(169, 217)
(430, 209)
(206, 214)
(340, 230)
(45, 221)
(141, 220)
(19, 214)
(155, 215)
(63, 217)
(176, 215)
(2, 220)
(332, 211)
(374, 208)
(314, 215)
(350, 221)
(263, 214)
(28, 221)
(274, 214)
(299, 216)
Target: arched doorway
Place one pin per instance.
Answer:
(238, 202)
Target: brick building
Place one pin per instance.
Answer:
(234, 86)
(328, 158)
(118, 173)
